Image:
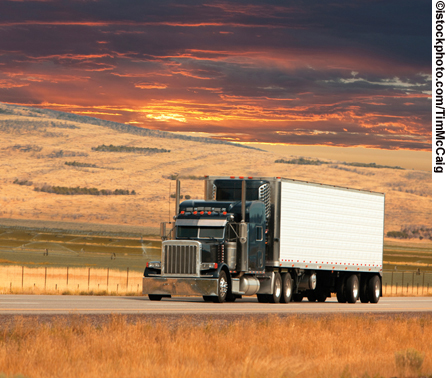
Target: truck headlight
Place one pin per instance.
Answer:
(155, 265)
(207, 266)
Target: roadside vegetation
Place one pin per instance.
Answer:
(412, 232)
(117, 346)
(304, 161)
(78, 164)
(138, 150)
(71, 191)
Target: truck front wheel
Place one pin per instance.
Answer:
(223, 287)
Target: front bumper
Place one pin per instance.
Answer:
(180, 286)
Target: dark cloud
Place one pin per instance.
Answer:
(342, 73)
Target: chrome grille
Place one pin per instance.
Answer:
(180, 259)
(264, 195)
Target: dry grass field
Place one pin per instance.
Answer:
(36, 144)
(334, 346)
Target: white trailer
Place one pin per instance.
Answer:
(280, 239)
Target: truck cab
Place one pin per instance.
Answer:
(211, 239)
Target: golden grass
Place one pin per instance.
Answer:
(332, 346)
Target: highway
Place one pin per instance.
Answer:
(71, 304)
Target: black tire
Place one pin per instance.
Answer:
(277, 289)
(231, 297)
(298, 297)
(207, 298)
(341, 296)
(364, 281)
(263, 298)
(374, 288)
(352, 288)
(223, 288)
(286, 295)
(311, 296)
(154, 297)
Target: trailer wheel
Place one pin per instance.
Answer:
(277, 289)
(374, 287)
(341, 296)
(154, 297)
(352, 288)
(364, 282)
(223, 287)
(286, 281)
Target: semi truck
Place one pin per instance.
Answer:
(280, 239)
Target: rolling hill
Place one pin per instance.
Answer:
(63, 167)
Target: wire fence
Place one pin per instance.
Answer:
(60, 279)
(407, 282)
(52, 279)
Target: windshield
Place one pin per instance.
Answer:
(200, 232)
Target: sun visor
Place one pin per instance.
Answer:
(201, 222)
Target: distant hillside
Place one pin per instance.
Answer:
(25, 111)
(63, 167)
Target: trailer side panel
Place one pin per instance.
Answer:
(326, 227)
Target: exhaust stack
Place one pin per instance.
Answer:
(243, 233)
(178, 196)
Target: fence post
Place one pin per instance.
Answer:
(392, 278)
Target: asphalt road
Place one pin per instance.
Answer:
(71, 304)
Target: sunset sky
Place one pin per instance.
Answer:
(326, 73)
